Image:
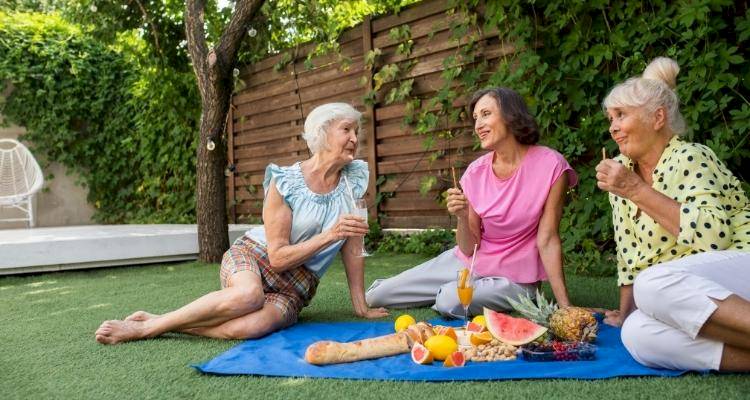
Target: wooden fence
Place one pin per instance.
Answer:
(267, 116)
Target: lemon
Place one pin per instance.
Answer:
(403, 322)
(479, 319)
(441, 346)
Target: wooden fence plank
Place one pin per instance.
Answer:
(266, 123)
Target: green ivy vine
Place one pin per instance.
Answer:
(567, 56)
(127, 127)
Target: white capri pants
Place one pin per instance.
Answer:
(433, 283)
(674, 301)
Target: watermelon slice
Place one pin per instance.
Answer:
(514, 331)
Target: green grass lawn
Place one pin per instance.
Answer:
(47, 325)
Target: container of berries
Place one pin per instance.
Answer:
(559, 351)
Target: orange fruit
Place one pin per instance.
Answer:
(441, 346)
(447, 331)
(420, 354)
(480, 338)
(455, 359)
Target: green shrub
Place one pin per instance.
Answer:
(129, 129)
(430, 242)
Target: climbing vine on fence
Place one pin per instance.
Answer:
(566, 56)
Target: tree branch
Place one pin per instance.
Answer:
(196, 39)
(154, 27)
(231, 38)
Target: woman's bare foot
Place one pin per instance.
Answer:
(141, 316)
(114, 331)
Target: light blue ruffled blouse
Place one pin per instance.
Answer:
(313, 213)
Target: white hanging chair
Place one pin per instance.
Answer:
(20, 179)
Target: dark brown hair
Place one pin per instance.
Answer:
(513, 109)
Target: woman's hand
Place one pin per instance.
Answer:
(457, 203)
(348, 226)
(614, 318)
(618, 179)
(372, 313)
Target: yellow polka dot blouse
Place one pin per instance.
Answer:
(714, 211)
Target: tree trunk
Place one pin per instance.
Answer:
(213, 71)
(213, 237)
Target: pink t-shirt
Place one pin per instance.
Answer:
(510, 210)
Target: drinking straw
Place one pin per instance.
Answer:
(473, 257)
(455, 181)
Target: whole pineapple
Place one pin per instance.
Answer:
(567, 323)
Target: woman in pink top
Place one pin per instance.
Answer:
(510, 207)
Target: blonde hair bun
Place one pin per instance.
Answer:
(663, 69)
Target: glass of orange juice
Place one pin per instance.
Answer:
(465, 288)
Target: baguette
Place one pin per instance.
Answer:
(329, 352)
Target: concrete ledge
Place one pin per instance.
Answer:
(91, 246)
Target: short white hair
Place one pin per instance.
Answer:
(320, 119)
(653, 89)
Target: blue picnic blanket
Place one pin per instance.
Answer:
(282, 354)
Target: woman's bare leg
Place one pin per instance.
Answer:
(244, 295)
(141, 316)
(729, 323)
(734, 359)
(259, 323)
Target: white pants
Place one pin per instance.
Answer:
(674, 301)
(433, 283)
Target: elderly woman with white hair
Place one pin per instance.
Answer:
(682, 230)
(271, 273)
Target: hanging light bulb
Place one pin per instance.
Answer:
(210, 145)
(93, 8)
(252, 32)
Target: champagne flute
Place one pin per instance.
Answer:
(360, 210)
(465, 288)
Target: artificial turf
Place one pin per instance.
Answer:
(47, 347)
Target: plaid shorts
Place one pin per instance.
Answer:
(289, 291)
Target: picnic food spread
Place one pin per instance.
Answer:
(493, 337)
(329, 352)
(567, 323)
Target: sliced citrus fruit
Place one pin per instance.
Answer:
(441, 346)
(420, 354)
(473, 327)
(480, 338)
(403, 322)
(455, 359)
(447, 331)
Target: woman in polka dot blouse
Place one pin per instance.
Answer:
(682, 229)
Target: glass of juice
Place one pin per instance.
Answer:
(360, 210)
(465, 288)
